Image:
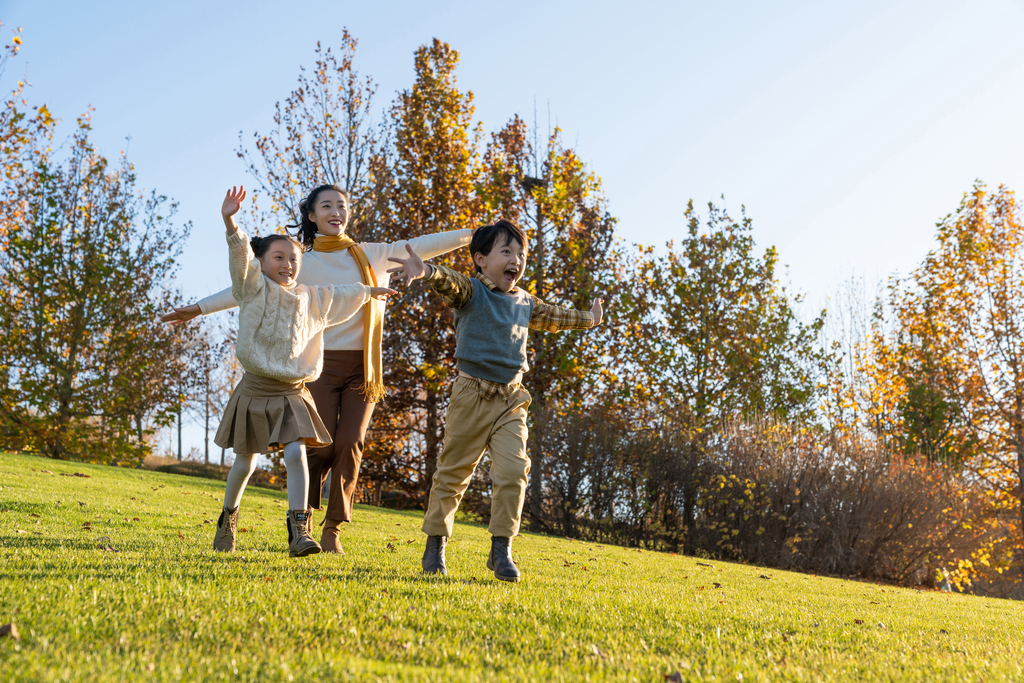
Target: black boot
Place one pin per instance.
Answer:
(500, 559)
(433, 556)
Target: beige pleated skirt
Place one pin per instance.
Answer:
(263, 414)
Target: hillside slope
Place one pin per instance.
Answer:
(110, 576)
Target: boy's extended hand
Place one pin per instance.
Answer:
(181, 315)
(597, 311)
(381, 293)
(411, 269)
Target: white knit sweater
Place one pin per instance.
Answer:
(279, 328)
(321, 268)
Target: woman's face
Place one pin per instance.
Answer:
(330, 212)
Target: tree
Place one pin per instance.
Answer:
(427, 187)
(713, 336)
(962, 334)
(322, 134)
(572, 260)
(82, 280)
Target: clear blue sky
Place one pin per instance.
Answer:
(846, 129)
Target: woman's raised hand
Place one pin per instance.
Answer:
(381, 293)
(181, 315)
(233, 199)
(411, 268)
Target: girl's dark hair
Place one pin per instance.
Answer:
(485, 237)
(307, 228)
(261, 244)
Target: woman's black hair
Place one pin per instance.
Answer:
(261, 244)
(307, 228)
(485, 237)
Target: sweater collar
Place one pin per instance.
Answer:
(490, 285)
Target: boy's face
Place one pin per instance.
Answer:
(281, 262)
(504, 265)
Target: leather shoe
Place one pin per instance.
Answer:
(500, 559)
(433, 556)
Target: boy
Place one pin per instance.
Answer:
(488, 403)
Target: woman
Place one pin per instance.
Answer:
(352, 379)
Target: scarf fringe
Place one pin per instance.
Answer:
(373, 392)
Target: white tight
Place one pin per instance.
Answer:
(294, 464)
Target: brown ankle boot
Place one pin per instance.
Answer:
(300, 541)
(329, 542)
(227, 525)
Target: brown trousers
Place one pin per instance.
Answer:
(347, 415)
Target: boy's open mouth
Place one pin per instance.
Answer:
(511, 274)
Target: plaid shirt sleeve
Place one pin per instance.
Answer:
(550, 318)
(454, 288)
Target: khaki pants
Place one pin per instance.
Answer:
(472, 425)
(347, 415)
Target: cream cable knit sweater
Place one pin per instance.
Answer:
(320, 268)
(279, 328)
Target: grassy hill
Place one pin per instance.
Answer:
(110, 576)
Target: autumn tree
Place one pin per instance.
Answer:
(428, 187)
(572, 260)
(82, 279)
(962, 335)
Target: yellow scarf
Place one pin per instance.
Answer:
(373, 316)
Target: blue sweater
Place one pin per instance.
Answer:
(491, 332)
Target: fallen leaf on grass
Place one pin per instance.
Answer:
(858, 621)
(267, 578)
(782, 661)
(674, 677)
(20, 531)
(151, 666)
(76, 474)
(717, 585)
(597, 651)
(9, 631)
(32, 514)
(82, 504)
(87, 526)
(411, 540)
(702, 564)
(762, 576)
(45, 472)
(181, 536)
(391, 547)
(942, 630)
(135, 519)
(38, 533)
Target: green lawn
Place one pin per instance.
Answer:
(112, 577)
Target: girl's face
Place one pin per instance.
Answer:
(281, 262)
(330, 212)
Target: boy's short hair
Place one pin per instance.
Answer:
(485, 237)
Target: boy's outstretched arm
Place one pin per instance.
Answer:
(455, 289)
(550, 318)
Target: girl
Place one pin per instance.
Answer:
(280, 345)
(351, 383)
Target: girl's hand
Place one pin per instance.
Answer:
(232, 201)
(411, 269)
(597, 311)
(181, 315)
(381, 293)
